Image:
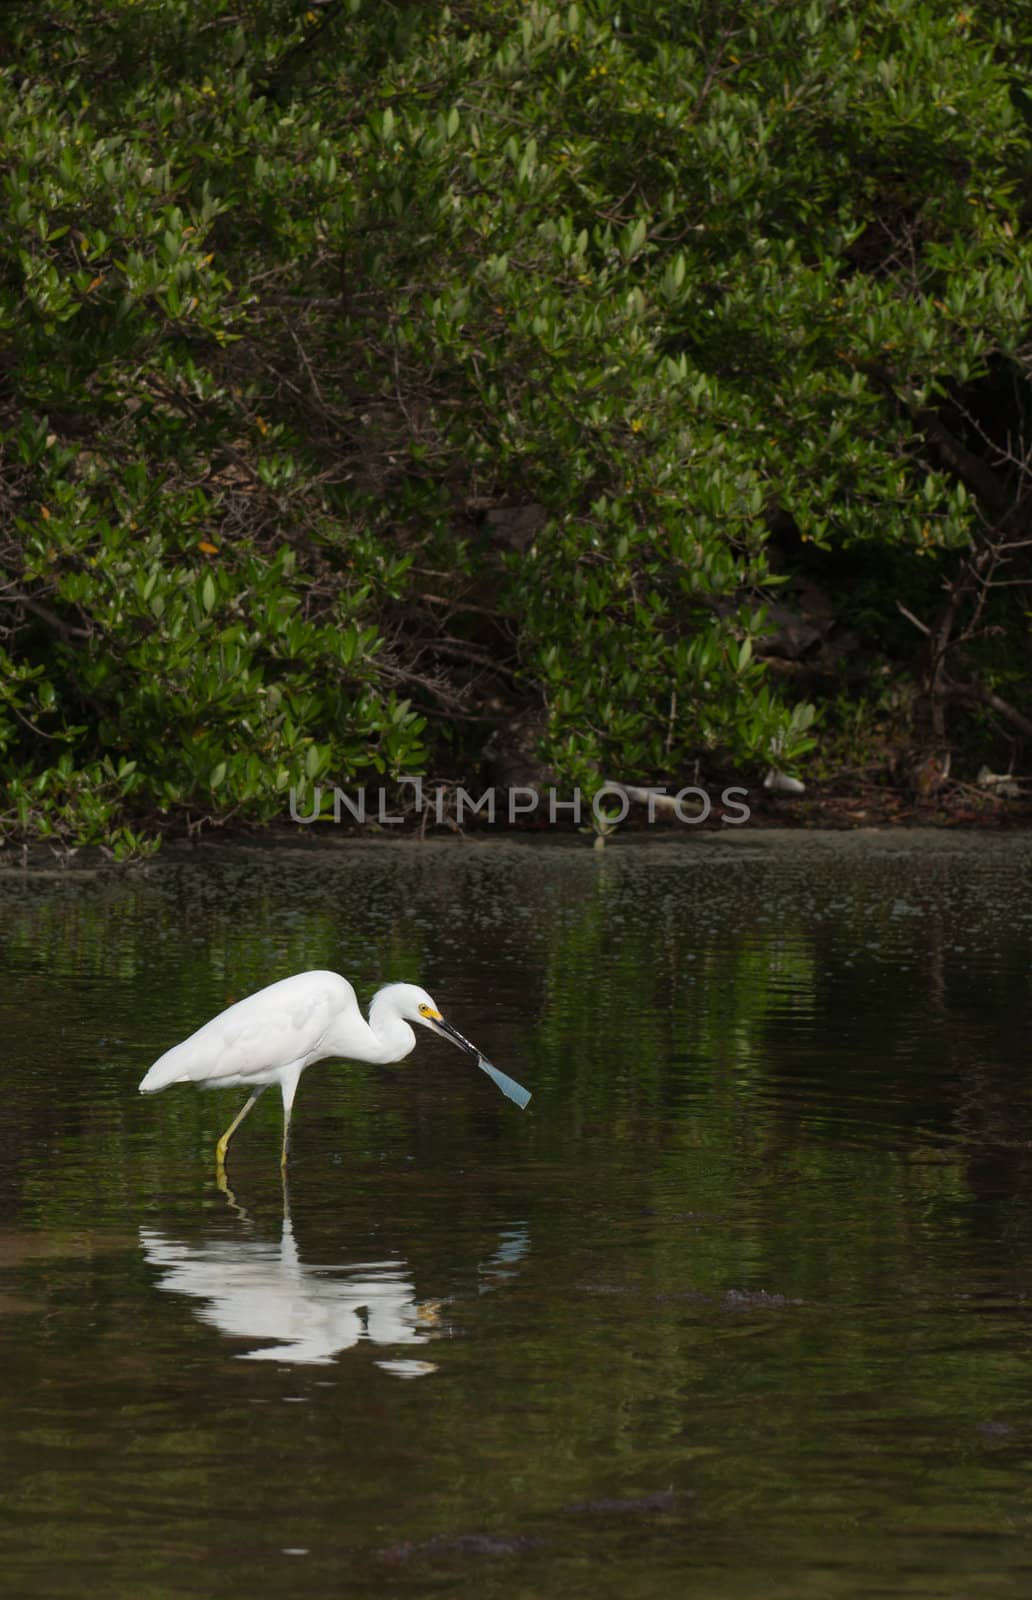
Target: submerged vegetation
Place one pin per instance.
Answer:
(389, 388)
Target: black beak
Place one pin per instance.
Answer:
(448, 1032)
(515, 1091)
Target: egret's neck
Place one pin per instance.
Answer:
(392, 1033)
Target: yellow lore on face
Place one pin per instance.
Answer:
(428, 1011)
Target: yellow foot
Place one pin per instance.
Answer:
(220, 1152)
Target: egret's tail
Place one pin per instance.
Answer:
(161, 1074)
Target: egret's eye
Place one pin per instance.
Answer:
(426, 1011)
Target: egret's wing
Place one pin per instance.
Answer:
(274, 1028)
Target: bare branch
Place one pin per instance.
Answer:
(911, 618)
(977, 694)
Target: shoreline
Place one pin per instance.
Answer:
(780, 824)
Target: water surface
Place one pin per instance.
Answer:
(739, 1307)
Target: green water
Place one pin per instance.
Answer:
(739, 1307)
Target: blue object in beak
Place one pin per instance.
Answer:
(510, 1088)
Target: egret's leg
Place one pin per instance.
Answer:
(288, 1088)
(223, 1144)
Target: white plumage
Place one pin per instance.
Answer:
(272, 1036)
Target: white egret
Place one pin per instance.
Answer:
(272, 1036)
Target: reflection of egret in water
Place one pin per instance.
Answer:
(258, 1290)
(512, 1247)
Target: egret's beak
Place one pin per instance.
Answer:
(446, 1031)
(509, 1087)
